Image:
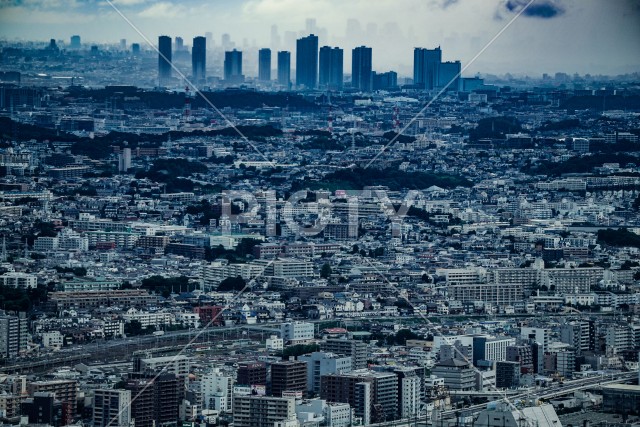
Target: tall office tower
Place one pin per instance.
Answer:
(13, 335)
(199, 58)
(124, 160)
(284, 68)
(307, 62)
(275, 38)
(226, 41)
(75, 42)
(450, 73)
(361, 68)
(264, 64)
(135, 48)
(209, 36)
(111, 407)
(123, 44)
(164, 59)
(233, 66)
(331, 68)
(426, 67)
(288, 375)
(179, 44)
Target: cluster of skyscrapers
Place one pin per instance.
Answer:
(318, 67)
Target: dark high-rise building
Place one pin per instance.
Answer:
(199, 58)
(449, 73)
(252, 373)
(284, 68)
(43, 409)
(307, 62)
(66, 391)
(264, 64)
(157, 398)
(233, 66)
(331, 67)
(75, 42)
(361, 68)
(385, 81)
(164, 59)
(135, 48)
(426, 67)
(288, 375)
(507, 374)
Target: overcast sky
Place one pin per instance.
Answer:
(584, 36)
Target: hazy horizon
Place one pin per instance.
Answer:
(572, 36)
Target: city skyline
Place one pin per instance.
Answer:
(461, 27)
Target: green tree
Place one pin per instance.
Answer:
(325, 271)
(232, 284)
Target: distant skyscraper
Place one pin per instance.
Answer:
(199, 58)
(179, 44)
(209, 36)
(264, 64)
(449, 72)
(307, 62)
(123, 44)
(226, 41)
(331, 68)
(135, 48)
(361, 68)
(284, 68)
(426, 67)
(164, 59)
(75, 42)
(385, 81)
(233, 66)
(275, 38)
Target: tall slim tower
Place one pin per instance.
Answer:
(199, 58)
(331, 68)
(361, 68)
(164, 59)
(284, 68)
(426, 67)
(264, 64)
(233, 66)
(307, 62)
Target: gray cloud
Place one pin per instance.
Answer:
(542, 9)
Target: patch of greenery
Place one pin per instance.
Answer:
(620, 237)
(358, 178)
